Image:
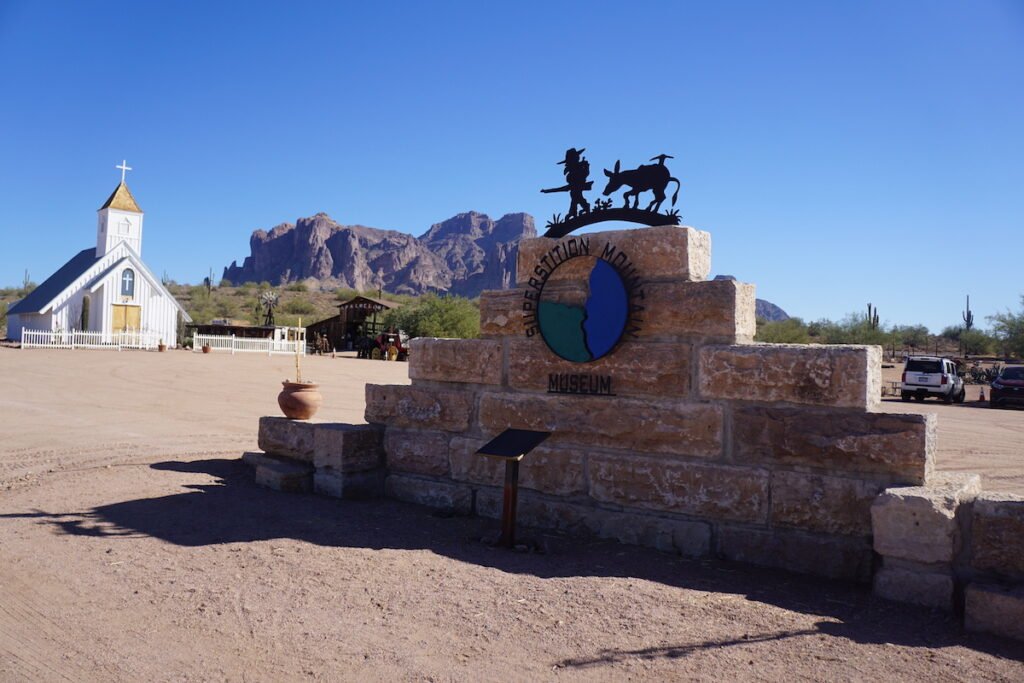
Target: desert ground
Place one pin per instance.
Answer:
(134, 545)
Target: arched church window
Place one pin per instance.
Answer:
(125, 224)
(128, 282)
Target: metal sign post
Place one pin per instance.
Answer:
(511, 446)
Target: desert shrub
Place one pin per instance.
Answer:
(791, 331)
(1008, 329)
(343, 294)
(225, 283)
(437, 316)
(297, 287)
(3, 318)
(952, 333)
(299, 307)
(975, 342)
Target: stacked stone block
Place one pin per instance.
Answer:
(712, 444)
(339, 460)
(994, 600)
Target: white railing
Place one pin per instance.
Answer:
(75, 339)
(233, 344)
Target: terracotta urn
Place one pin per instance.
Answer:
(299, 400)
(161, 347)
(206, 348)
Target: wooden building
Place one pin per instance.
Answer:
(357, 318)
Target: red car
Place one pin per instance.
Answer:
(1007, 388)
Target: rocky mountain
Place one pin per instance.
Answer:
(462, 255)
(764, 310)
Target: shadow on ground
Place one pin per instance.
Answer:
(235, 510)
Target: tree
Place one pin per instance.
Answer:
(1008, 328)
(436, 316)
(976, 343)
(913, 336)
(791, 331)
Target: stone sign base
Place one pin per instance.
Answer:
(688, 437)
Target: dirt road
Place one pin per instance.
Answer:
(134, 546)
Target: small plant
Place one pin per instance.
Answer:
(555, 220)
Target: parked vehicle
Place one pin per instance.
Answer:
(1007, 388)
(926, 376)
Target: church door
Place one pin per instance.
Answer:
(125, 317)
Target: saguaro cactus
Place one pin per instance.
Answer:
(967, 315)
(872, 317)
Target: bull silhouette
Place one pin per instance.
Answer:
(653, 177)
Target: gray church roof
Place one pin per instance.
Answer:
(56, 283)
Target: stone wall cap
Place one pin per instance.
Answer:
(945, 488)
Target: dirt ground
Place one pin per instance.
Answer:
(134, 546)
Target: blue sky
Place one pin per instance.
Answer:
(837, 152)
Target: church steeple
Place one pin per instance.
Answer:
(121, 198)
(119, 219)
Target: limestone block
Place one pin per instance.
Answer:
(348, 485)
(347, 448)
(997, 534)
(287, 438)
(832, 505)
(995, 609)
(837, 557)
(635, 369)
(557, 471)
(918, 523)
(280, 473)
(718, 311)
(656, 426)
(420, 452)
(828, 375)
(668, 252)
(501, 314)
(929, 589)
(455, 498)
(704, 490)
(898, 447)
(689, 538)
(476, 361)
(409, 407)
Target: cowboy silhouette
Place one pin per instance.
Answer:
(576, 171)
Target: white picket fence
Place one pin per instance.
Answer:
(233, 344)
(75, 339)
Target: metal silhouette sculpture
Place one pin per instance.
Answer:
(653, 178)
(577, 170)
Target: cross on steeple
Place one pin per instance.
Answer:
(124, 167)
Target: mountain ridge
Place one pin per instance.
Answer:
(462, 255)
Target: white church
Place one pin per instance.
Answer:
(105, 289)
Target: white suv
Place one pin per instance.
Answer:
(926, 376)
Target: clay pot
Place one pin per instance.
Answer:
(299, 400)
(206, 348)
(161, 347)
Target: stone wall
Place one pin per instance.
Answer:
(712, 444)
(952, 547)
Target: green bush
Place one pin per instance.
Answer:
(976, 343)
(298, 307)
(436, 316)
(1008, 329)
(297, 287)
(792, 331)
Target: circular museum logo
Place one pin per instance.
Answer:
(581, 303)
